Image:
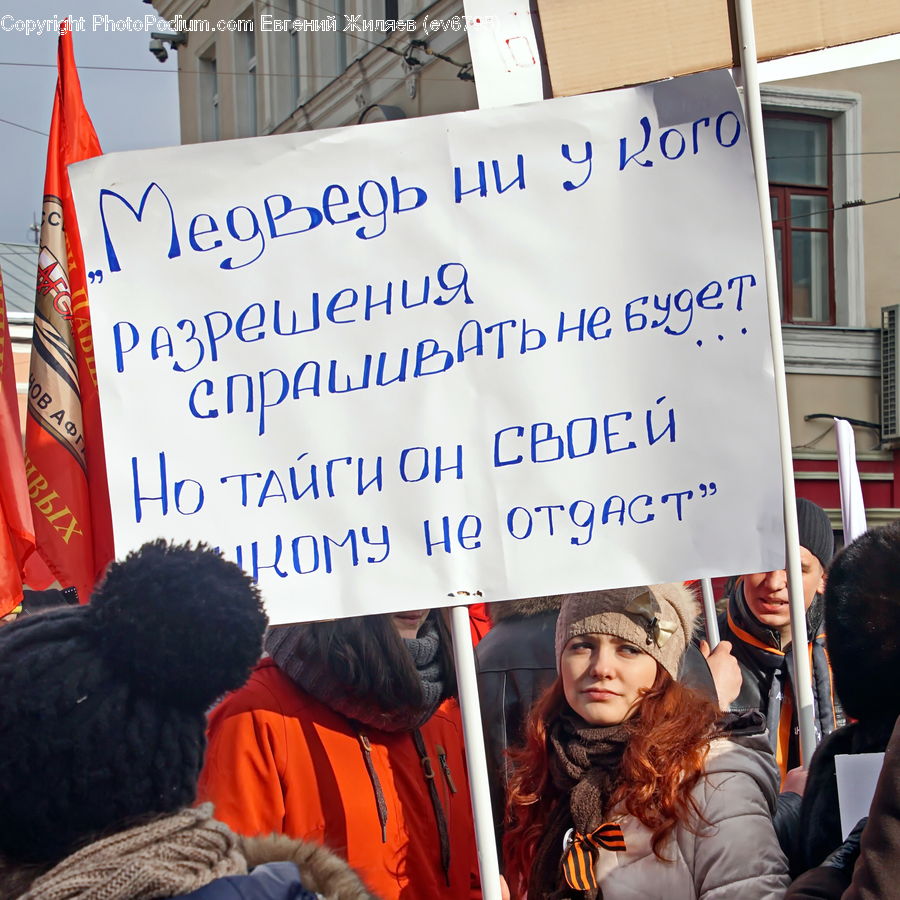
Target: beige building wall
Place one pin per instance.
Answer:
(326, 93)
(847, 397)
(877, 87)
(837, 370)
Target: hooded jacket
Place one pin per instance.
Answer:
(281, 761)
(280, 869)
(283, 869)
(767, 670)
(730, 853)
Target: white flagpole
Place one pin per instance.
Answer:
(709, 613)
(506, 24)
(803, 696)
(470, 706)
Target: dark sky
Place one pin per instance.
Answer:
(130, 109)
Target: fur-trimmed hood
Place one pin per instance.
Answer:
(529, 606)
(321, 871)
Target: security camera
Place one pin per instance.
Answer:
(158, 49)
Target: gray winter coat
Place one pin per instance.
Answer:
(732, 855)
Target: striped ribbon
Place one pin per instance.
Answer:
(584, 850)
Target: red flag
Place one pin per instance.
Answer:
(64, 461)
(16, 528)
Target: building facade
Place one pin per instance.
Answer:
(832, 141)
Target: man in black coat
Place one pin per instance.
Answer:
(862, 618)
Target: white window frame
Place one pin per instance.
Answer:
(300, 55)
(845, 111)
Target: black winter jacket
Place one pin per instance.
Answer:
(516, 665)
(767, 670)
(819, 828)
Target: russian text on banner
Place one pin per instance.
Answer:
(65, 465)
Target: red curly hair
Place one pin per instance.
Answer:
(661, 765)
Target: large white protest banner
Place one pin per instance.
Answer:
(520, 350)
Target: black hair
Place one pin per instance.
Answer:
(862, 624)
(367, 657)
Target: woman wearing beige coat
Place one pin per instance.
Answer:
(631, 785)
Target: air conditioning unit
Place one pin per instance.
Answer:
(890, 373)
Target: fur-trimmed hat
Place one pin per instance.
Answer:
(102, 707)
(658, 618)
(862, 624)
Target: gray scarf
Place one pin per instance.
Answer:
(168, 857)
(318, 679)
(424, 653)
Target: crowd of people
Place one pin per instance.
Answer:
(162, 742)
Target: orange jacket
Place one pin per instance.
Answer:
(281, 761)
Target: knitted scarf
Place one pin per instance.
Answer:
(763, 646)
(424, 653)
(584, 764)
(166, 858)
(316, 677)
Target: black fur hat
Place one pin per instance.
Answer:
(862, 624)
(102, 707)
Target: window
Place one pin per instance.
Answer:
(799, 157)
(209, 95)
(841, 112)
(246, 60)
(301, 82)
(318, 54)
(331, 58)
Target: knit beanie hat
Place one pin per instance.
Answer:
(102, 707)
(815, 531)
(659, 619)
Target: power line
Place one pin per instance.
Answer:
(220, 72)
(24, 127)
(849, 204)
(825, 155)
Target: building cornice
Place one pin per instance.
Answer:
(818, 350)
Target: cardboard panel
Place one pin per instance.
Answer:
(592, 46)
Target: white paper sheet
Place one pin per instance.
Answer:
(857, 775)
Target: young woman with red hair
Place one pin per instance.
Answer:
(630, 784)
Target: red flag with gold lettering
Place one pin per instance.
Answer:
(64, 460)
(16, 528)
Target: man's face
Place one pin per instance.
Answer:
(766, 593)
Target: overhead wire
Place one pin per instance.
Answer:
(849, 204)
